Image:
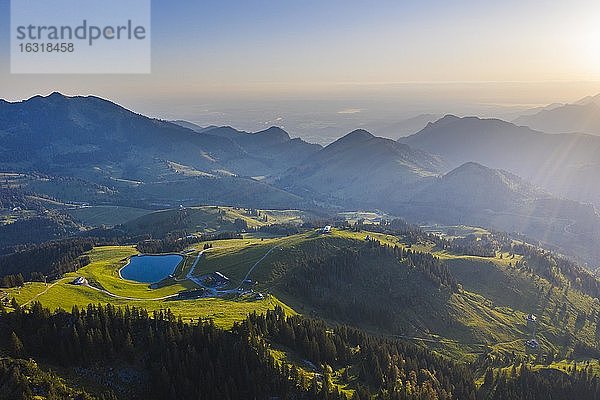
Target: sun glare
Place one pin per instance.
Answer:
(590, 49)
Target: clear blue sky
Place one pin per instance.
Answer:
(250, 49)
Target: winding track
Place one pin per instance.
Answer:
(116, 296)
(214, 292)
(189, 276)
(255, 265)
(45, 290)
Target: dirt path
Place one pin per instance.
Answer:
(116, 296)
(255, 265)
(214, 292)
(190, 276)
(106, 292)
(44, 291)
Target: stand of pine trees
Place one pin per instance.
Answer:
(365, 286)
(386, 369)
(182, 361)
(51, 259)
(178, 241)
(540, 385)
(200, 361)
(24, 380)
(558, 270)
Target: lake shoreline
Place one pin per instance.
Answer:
(140, 256)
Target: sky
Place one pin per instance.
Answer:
(251, 62)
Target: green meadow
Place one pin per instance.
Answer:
(102, 272)
(486, 316)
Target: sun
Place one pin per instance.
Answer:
(590, 49)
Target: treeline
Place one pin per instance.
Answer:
(175, 360)
(175, 243)
(182, 361)
(14, 195)
(283, 229)
(558, 270)
(15, 198)
(523, 383)
(411, 234)
(471, 245)
(369, 284)
(38, 229)
(51, 260)
(24, 380)
(384, 368)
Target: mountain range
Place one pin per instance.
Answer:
(362, 170)
(274, 147)
(406, 127)
(475, 195)
(453, 171)
(564, 164)
(121, 156)
(582, 116)
(59, 131)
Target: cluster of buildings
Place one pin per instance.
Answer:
(79, 281)
(325, 229)
(215, 280)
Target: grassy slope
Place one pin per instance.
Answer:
(506, 288)
(40, 379)
(105, 215)
(103, 271)
(488, 315)
(207, 219)
(492, 307)
(235, 257)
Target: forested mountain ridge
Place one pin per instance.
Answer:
(360, 169)
(183, 361)
(86, 150)
(90, 150)
(156, 356)
(561, 163)
(464, 298)
(472, 293)
(582, 116)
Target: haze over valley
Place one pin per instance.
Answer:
(317, 200)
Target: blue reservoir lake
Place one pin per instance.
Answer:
(150, 268)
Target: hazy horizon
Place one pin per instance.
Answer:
(377, 109)
(446, 254)
(321, 68)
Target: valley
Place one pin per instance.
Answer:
(301, 255)
(468, 307)
(325, 200)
